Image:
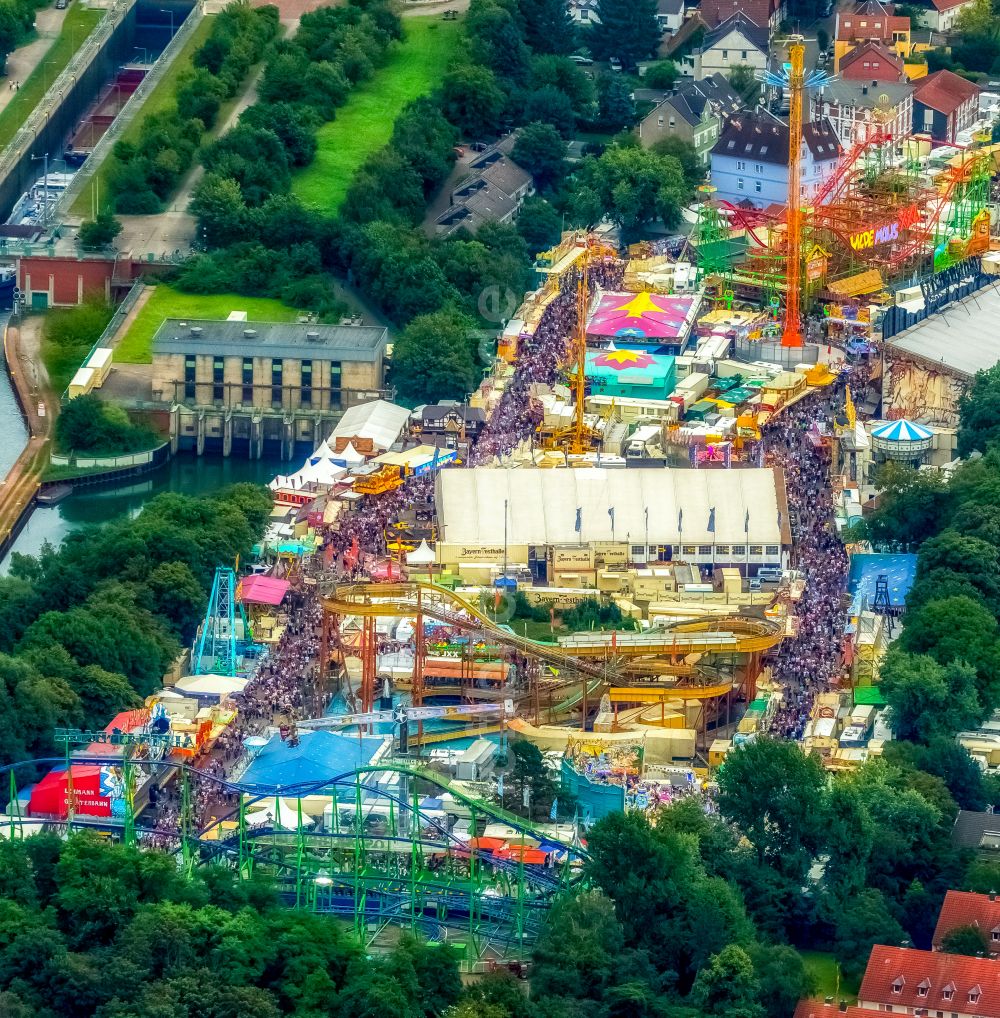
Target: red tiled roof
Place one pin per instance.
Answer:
(820, 1009)
(897, 23)
(946, 5)
(931, 980)
(849, 27)
(715, 12)
(966, 908)
(871, 49)
(944, 91)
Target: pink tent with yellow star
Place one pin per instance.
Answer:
(642, 316)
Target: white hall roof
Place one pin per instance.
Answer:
(379, 420)
(542, 506)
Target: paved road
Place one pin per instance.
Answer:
(19, 487)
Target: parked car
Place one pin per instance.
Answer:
(615, 64)
(60, 5)
(582, 61)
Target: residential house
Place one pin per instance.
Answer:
(695, 113)
(976, 830)
(966, 908)
(944, 105)
(584, 12)
(673, 47)
(855, 107)
(870, 22)
(763, 13)
(737, 41)
(493, 193)
(670, 15)
(872, 62)
(750, 159)
(910, 981)
(448, 423)
(940, 15)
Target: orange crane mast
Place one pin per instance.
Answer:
(792, 334)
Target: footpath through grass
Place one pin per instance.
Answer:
(162, 96)
(824, 970)
(77, 25)
(365, 122)
(166, 302)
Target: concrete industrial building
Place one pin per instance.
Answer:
(262, 382)
(558, 522)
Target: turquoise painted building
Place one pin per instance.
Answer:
(631, 374)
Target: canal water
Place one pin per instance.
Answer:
(13, 433)
(188, 474)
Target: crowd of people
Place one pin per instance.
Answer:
(540, 357)
(285, 683)
(810, 663)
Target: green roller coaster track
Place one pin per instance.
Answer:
(381, 859)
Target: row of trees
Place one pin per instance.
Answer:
(74, 911)
(260, 238)
(90, 628)
(144, 173)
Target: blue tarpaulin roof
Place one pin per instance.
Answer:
(318, 755)
(899, 570)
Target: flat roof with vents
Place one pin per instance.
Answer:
(272, 339)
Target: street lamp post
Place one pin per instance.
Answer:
(170, 11)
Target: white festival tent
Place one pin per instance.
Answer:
(277, 813)
(422, 555)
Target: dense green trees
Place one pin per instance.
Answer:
(628, 30)
(435, 356)
(965, 940)
(542, 152)
(630, 185)
(927, 699)
(146, 172)
(548, 27)
(17, 19)
(98, 233)
(978, 428)
(208, 945)
(539, 224)
(87, 424)
(90, 628)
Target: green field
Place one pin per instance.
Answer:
(166, 302)
(78, 24)
(364, 123)
(824, 970)
(162, 96)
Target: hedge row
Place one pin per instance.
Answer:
(146, 172)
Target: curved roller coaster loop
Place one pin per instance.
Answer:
(381, 859)
(592, 659)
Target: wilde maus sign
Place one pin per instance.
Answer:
(885, 233)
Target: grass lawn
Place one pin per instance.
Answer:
(166, 302)
(77, 25)
(162, 96)
(364, 123)
(540, 631)
(823, 968)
